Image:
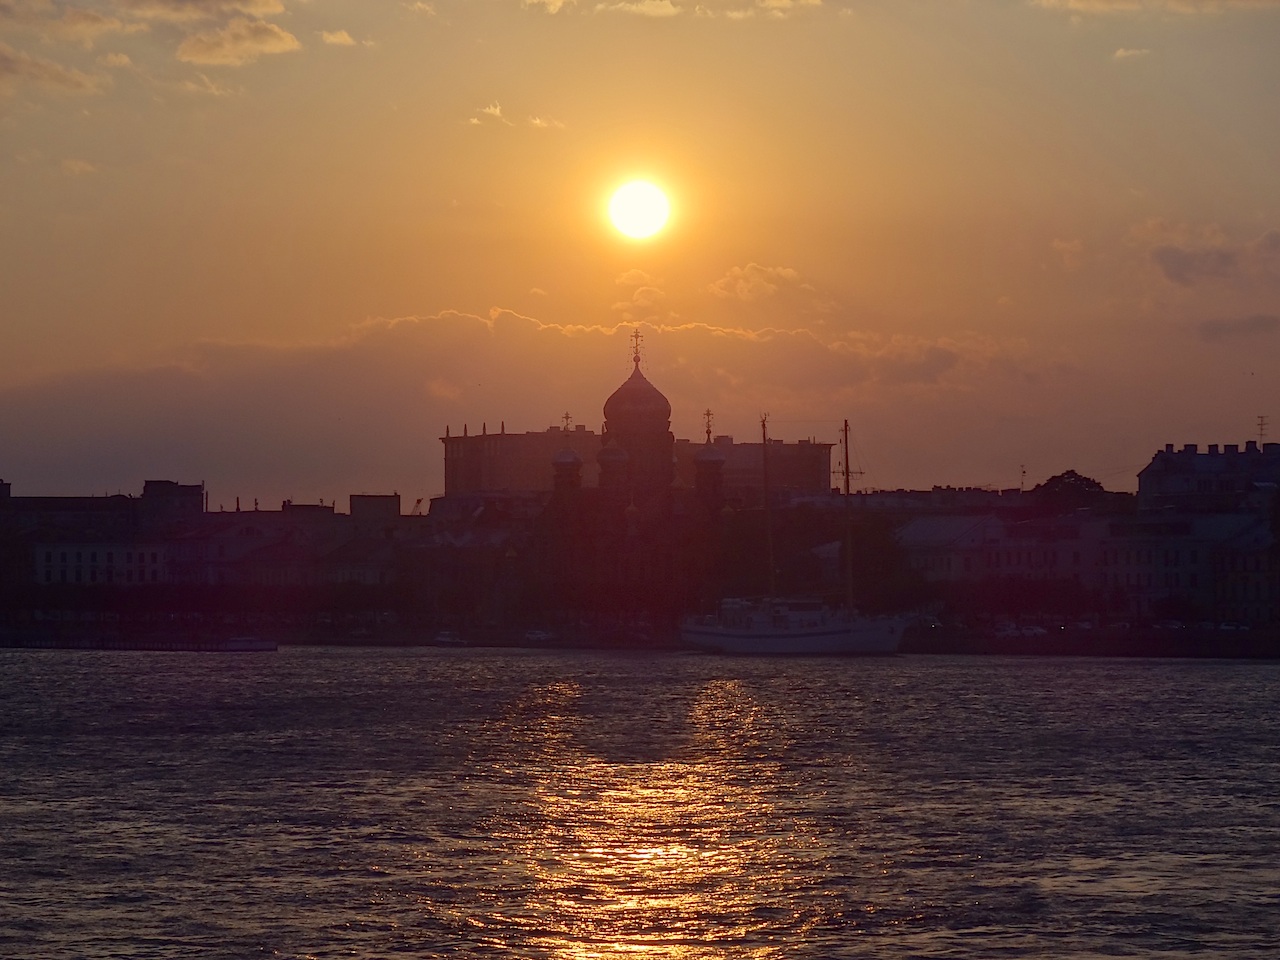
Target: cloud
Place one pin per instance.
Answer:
(419, 7)
(178, 11)
(1262, 324)
(1105, 7)
(647, 305)
(753, 282)
(552, 6)
(327, 419)
(77, 168)
(546, 123)
(240, 41)
(202, 84)
(1190, 259)
(786, 6)
(337, 38)
(84, 27)
(1070, 251)
(117, 61)
(1187, 266)
(1125, 53)
(17, 66)
(635, 278)
(736, 10)
(644, 8)
(492, 112)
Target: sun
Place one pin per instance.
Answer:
(639, 209)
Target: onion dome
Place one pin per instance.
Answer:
(637, 400)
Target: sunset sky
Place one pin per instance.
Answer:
(279, 245)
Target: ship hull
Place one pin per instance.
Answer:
(864, 636)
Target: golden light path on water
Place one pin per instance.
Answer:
(685, 857)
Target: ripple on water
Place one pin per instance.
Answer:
(424, 803)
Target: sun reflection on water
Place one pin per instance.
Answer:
(675, 854)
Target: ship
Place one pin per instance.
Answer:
(772, 626)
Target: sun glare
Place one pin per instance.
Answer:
(639, 209)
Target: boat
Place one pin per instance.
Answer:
(773, 626)
(779, 626)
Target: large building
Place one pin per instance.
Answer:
(637, 421)
(1220, 478)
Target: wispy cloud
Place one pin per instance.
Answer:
(85, 27)
(116, 61)
(337, 38)
(1155, 6)
(739, 10)
(1211, 256)
(1125, 53)
(491, 113)
(203, 84)
(644, 8)
(753, 282)
(551, 6)
(178, 11)
(17, 66)
(240, 41)
(78, 168)
(1070, 252)
(312, 420)
(1262, 324)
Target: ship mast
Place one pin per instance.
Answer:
(848, 526)
(764, 485)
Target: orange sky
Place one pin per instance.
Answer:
(278, 245)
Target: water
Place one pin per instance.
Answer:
(433, 803)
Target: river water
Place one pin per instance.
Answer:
(484, 803)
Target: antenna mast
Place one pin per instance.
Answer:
(845, 433)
